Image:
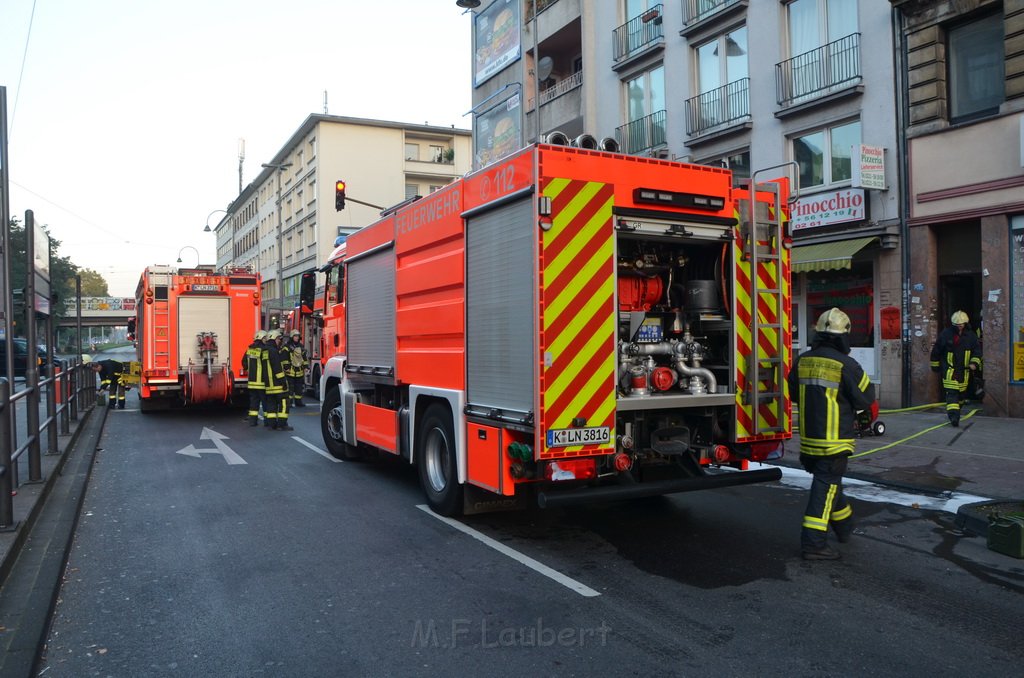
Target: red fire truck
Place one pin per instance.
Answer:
(309, 321)
(193, 326)
(565, 326)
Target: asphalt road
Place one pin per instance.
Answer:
(292, 564)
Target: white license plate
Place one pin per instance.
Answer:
(591, 435)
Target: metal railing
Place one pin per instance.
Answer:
(698, 10)
(821, 71)
(719, 106)
(561, 87)
(66, 392)
(642, 134)
(638, 32)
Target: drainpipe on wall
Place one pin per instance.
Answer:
(903, 183)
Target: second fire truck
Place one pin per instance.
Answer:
(565, 326)
(192, 329)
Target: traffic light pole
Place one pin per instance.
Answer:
(367, 204)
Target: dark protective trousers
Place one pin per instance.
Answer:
(297, 387)
(256, 398)
(826, 504)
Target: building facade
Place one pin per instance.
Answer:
(803, 89)
(962, 106)
(285, 223)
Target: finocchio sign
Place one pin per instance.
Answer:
(825, 209)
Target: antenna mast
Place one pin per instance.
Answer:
(241, 159)
(325, 102)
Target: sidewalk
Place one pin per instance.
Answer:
(32, 554)
(984, 456)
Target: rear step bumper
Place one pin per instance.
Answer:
(590, 494)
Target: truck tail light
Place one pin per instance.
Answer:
(571, 469)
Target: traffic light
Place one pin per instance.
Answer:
(339, 196)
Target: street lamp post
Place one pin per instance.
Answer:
(189, 247)
(280, 167)
(208, 230)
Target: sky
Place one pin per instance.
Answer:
(124, 116)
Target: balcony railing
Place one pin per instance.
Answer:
(719, 106)
(819, 72)
(639, 32)
(698, 10)
(642, 134)
(561, 87)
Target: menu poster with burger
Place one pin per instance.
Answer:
(496, 38)
(498, 131)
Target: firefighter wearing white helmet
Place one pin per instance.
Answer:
(956, 353)
(253, 368)
(830, 387)
(277, 382)
(298, 361)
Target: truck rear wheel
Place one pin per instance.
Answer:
(332, 419)
(437, 463)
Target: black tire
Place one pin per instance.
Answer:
(332, 418)
(436, 461)
(878, 428)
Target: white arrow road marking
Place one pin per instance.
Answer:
(526, 560)
(230, 456)
(317, 450)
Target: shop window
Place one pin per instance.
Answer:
(851, 292)
(1017, 310)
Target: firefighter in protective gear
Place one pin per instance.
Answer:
(252, 366)
(956, 353)
(277, 383)
(830, 387)
(110, 372)
(298, 361)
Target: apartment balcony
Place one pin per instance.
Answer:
(639, 37)
(699, 14)
(643, 135)
(720, 110)
(439, 166)
(823, 74)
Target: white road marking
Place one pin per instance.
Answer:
(868, 491)
(526, 560)
(316, 449)
(230, 456)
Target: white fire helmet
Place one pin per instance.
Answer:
(833, 321)
(960, 318)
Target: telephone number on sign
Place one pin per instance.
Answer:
(592, 435)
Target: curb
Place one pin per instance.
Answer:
(974, 518)
(38, 556)
(24, 528)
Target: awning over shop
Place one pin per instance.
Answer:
(827, 256)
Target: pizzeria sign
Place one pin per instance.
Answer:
(826, 209)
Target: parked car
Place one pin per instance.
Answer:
(21, 358)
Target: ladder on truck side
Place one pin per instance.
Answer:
(761, 228)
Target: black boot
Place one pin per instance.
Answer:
(954, 418)
(822, 553)
(283, 426)
(254, 421)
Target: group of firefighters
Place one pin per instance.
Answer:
(275, 370)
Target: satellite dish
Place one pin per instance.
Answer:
(544, 67)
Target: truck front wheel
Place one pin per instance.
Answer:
(436, 462)
(332, 419)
